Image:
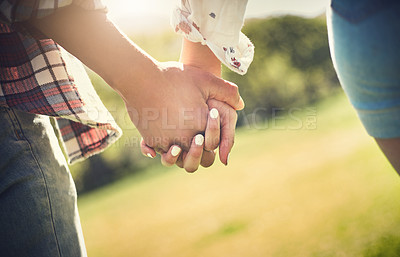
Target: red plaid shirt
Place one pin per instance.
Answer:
(38, 76)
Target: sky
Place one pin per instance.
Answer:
(147, 15)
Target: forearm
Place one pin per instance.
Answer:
(93, 39)
(200, 56)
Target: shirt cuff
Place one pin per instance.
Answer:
(216, 24)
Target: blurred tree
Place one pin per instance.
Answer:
(291, 67)
(385, 246)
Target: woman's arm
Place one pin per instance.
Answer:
(200, 56)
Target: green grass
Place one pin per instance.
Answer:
(324, 191)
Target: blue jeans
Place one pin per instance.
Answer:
(38, 207)
(364, 38)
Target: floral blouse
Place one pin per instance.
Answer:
(217, 24)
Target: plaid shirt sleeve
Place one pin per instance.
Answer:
(12, 11)
(39, 76)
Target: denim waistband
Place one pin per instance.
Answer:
(357, 10)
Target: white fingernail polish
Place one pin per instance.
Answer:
(214, 113)
(199, 139)
(149, 155)
(175, 150)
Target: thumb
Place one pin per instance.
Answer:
(224, 91)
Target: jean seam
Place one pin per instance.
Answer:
(44, 180)
(15, 124)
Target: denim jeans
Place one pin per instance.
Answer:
(38, 201)
(364, 38)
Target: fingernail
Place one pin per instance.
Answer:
(214, 113)
(175, 150)
(149, 155)
(199, 139)
(227, 159)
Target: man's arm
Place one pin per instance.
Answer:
(141, 81)
(93, 39)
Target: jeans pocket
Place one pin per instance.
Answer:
(356, 11)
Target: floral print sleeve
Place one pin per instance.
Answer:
(217, 24)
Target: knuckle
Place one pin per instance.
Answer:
(235, 87)
(234, 90)
(211, 144)
(211, 147)
(228, 142)
(213, 129)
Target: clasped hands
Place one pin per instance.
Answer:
(185, 113)
(169, 103)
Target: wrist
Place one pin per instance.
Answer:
(200, 56)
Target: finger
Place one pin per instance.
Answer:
(224, 91)
(181, 157)
(147, 150)
(169, 158)
(212, 134)
(228, 126)
(207, 158)
(228, 119)
(192, 160)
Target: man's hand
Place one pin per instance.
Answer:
(220, 125)
(170, 107)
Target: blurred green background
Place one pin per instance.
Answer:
(304, 178)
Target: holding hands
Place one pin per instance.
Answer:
(216, 116)
(183, 111)
(189, 116)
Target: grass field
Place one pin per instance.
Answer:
(324, 191)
